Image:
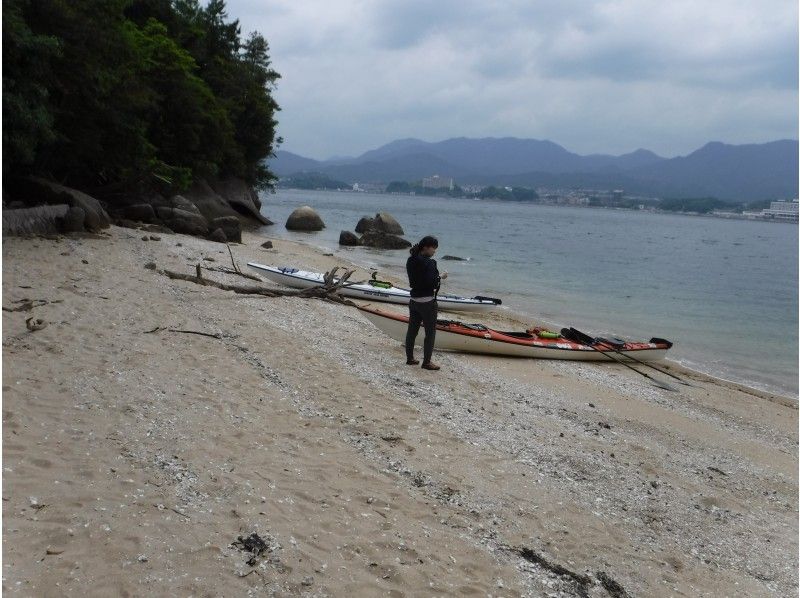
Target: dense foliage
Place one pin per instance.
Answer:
(115, 92)
(313, 180)
(418, 189)
(508, 193)
(698, 205)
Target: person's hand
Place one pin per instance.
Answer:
(444, 275)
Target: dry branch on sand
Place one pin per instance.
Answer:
(329, 291)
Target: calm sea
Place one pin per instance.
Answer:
(724, 291)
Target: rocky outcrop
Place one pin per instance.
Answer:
(202, 209)
(183, 221)
(218, 235)
(381, 232)
(383, 241)
(41, 220)
(241, 197)
(381, 223)
(140, 212)
(230, 225)
(364, 224)
(74, 220)
(210, 204)
(348, 239)
(34, 190)
(305, 218)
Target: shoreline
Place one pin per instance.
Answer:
(726, 216)
(518, 317)
(153, 421)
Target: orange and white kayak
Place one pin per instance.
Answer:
(477, 338)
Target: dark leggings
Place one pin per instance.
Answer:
(421, 313)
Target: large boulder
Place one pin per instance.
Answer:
(347, 238)
(365, 224)
(151, 228)
(183, 221)
(74, 220)
(230, 225)
(140, 212)
(241, 197)
(382, 223)
(179, 202)
(304, 218)
(210, 204)
(40, 220)
(218, 235)
(383, 241)
(386, 223)
(38, 190)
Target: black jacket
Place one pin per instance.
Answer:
(423, 275)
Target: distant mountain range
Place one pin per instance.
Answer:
(730, 172)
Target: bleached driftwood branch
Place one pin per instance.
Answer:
(329, 291)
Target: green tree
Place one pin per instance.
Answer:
(27, 69)
(113, 92)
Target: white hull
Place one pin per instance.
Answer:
(299, 279)
(396, 328)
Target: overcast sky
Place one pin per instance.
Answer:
(596, 76)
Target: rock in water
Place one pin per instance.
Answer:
(348, 238)
(304, 218)
(365, 224)
(384, 241)
(386, 223)
(382, 223)
(454, 258)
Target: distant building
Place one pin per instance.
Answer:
(782, 210)
(437, 182)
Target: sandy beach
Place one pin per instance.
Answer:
(136, 452)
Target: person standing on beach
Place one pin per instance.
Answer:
(424, 279)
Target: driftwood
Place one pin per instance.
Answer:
(29, 304)
(162, 329)
(236, 269)
(329, 291)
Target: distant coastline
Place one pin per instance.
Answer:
(646, 205)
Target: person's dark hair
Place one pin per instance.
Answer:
(424, 242)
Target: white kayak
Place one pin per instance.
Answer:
(476, 338)
(372, 290)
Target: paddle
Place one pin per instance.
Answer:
(611, 346)
(586, 341)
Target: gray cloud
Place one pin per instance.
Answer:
(606, 76)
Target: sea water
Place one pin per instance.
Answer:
(724, 291)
